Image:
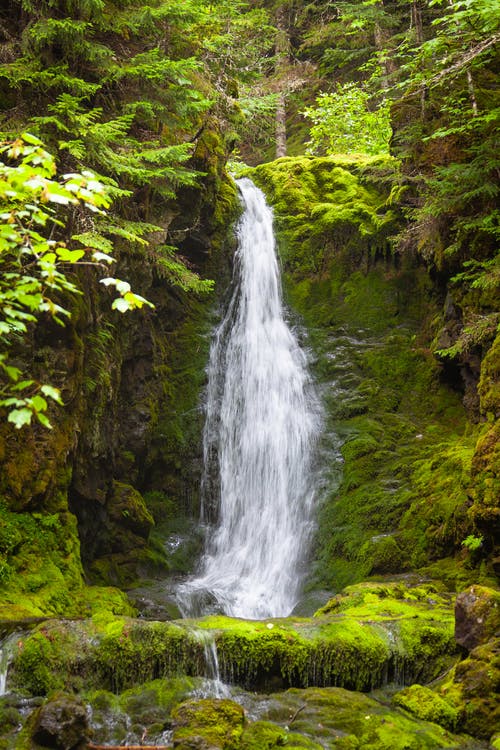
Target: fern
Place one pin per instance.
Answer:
(176, 271)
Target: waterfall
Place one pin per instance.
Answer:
(213, 686)
(7, 647)
(260, 431)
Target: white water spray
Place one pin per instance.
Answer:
(261, 425)
(7, 647)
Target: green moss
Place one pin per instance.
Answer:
(425, 704)
(109, 652)
(142, 651)
(40, 564)
(263, 735)
(485, 489)
(342, 719)
(327, 205)
(370, 634)
(218, 722)
(138, 713)
(489, 382)
(473, 689)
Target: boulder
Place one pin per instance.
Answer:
(207, 724)
(61, 723)
(425, 704)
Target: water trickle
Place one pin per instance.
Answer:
(260, 431)
(213, 686)
(7, 647)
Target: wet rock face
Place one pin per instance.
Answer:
(477, 616)
(62, 723)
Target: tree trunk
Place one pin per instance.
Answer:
(281, 125)
(381, 38)
(282, 63)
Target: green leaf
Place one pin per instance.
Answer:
(39, 403)
(14, 373)
(32, 139)
(19, 417)
(22, 385)
(121, 305)
(43, 419)
(51, 392)
(69, 256)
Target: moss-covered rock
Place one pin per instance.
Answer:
(426, 704)
(473, 689)
(370, 634)
(208, 724)
(61, 723)
(264, 735)
(41, 573)
(337, 718)
(361, 639)
(477, 616)
(330, 205)
(138, 715)
(108, 652)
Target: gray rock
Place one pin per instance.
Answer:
(477, 616)
(62, 723)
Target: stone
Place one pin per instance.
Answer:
(477, 616)
(425, 704)
(61, 723)
(473, 687)
(207, 724)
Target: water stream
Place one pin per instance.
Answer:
(262, 421)
(7, 648)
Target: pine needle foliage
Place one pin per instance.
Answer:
(100, 85)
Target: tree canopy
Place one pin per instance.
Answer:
(126, 90)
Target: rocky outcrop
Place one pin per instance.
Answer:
(131, 387)
(363, 638)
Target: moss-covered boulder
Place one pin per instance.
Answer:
(473, 689)
(426, 704)
(335, 203)
(61, 723)
(264, 735)
(208, 724)
(139, 715)
(338, 718)
(109, 653)
(371, 634)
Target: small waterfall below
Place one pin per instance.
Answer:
(214, 687)
(262, 421)
(7, 647)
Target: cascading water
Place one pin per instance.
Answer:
(261, 425)
(7, 647)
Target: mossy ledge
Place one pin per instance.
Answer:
(369, 635)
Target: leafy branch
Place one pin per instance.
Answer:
(34, 265)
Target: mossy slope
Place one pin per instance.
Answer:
(410, 460)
